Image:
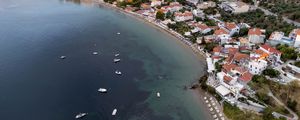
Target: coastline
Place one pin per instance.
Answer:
(198, 93)
(199, 54)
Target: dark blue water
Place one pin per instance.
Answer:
(36, 85)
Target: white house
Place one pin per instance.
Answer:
(295, 35)
(205, 5)
(155, 3)
(203, 28)
(192, 2)
(279, 38)
(255, 35)
(257, 66)
(232, 28)
(179, 17)
(173, 7)
(222, 35)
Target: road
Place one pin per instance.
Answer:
(280, 103)
(267, 12)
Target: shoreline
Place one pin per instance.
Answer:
(198, 93)
(200, 55)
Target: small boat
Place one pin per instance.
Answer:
(118, 72)
(118, 33)
(116, 55)
(114, 112)
(95, 53)
(102, 90)
(117, 60)
(158, 94)
(62, 57)
(80, 115)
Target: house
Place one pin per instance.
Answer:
(173, 7)
(244, 42)
(222, 35)
(155, 3)
(245, 77)
(203, 28)
(295, 36)
(192, 2)
(273, 54)
(199, 13)
(255, 35)
(257, 66)
(179, 17)
(279, 38)
(232, 28)
(217, 50)
(145, 6)
(235, 7)
(205, 5)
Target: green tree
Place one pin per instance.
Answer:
(271, 72)
(160, 15)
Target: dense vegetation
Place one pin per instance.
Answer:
(289, 53)
(258, 19)
(288, 9)
(271, 72)
(288, 94)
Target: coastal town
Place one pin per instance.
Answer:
(252, 54)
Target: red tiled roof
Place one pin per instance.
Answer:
(270, 49)
(220, 32)
(202, 26)
(238, 56)
(230, 26)
(255, 31)
(241, 69)
(229, 67)
(217, 49)
(246, 77)
(232, 51)
(227, 79)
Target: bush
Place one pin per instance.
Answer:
(271, 72)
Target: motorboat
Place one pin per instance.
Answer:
(114, 112)
(158, 94)
(62, 57)
(117, 60)
(95, 53)
(80, 115)
(118, 72)
(102, 90)
(116, 55)
(118, 33)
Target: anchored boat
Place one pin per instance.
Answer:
(80, 115)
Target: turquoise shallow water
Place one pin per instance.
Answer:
(36, 85)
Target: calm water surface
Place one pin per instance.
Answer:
(36, 85)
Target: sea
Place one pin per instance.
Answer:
(35, 84)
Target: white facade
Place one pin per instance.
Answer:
(155, 3)
(257, 66)
(256, 39)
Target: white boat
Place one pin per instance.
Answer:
(118, 72)
(95, 53)
(114, 112)
(103, 90)
(117, 60)
(80, 115)
(118, 33)
(116, 55)
(62, 57)
(158, 94)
